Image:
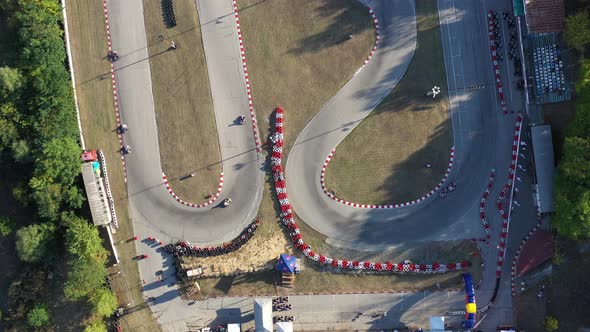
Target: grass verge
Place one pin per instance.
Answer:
(412, 130)
(95, 97)
(184, 110)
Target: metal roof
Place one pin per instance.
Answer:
(544, 166)
(263, 314)
(96, 195)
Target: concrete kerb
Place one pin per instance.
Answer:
(386, 206)
(212, 197)
(114, 85)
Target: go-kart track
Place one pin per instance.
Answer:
(483, 137)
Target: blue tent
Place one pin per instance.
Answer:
(286, 263)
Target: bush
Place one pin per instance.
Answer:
(551, 324)
(96, 326)
(6, 226)
(38, 316)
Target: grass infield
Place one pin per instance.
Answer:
(384, 159)
(184, 109)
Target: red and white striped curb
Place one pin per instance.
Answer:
(212, 198)
(385, 206)
(297, 239)
(493, 50)
(508, 186)
(482, 203)
(522, 244)
(114, 85)
(246, 78)
(377, 36)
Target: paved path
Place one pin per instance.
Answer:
(331, 312)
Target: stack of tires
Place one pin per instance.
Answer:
(168, 13)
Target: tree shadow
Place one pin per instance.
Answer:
(346, 15)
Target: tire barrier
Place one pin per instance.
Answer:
(246, 79)
(107, 186)
(482, 203)
(212, 197)
(519, 250)
(168, 13)
(115, 93)
(424, 197)
(288, 220)
(505, 214)
(495, 48)
(184, 248)
(377, 37)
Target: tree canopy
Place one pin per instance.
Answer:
(577, 30)
(34, 242)
(83, 240)
(104, 302)
(572, 180)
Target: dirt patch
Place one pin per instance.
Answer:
(413, 131)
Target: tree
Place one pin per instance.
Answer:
(38, 316)
(96, 326)
(6, 226)
(577, 30)
(56, 169)
(551, 324)
(20, 151)
(83, 240)
(11, 81)
(103, 302)
(84, 277)
(572, 189)
(33, 242)
(9, 120)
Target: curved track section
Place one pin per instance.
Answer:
(152, 207)
(476, 142)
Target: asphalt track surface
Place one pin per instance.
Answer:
(151, 204)
(482, 138)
